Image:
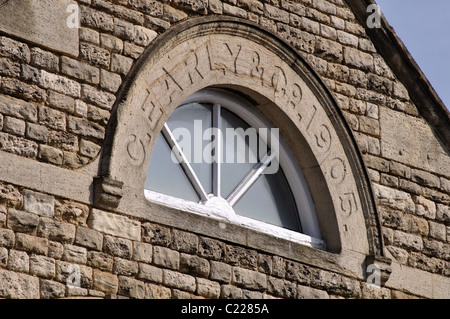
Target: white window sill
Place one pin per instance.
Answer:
(220, 213)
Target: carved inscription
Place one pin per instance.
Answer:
(349, 205)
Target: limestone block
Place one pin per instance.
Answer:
(394, 198)
(38, 203)
(412, 143)
(180, 281)
(43, 22)
(207, 288)
(151, 273)
(18, 286)
(166, 257)
(42, 266)
(249, 279)
(115, 225)
(56, 230)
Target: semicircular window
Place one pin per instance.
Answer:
(217, 154)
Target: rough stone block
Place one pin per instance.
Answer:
(157, 292)
(282, 288)
(75, 254)
(14, 126)
(115, 225)
(18, 286)
(14, 49)
(37, 132)
(85, 128)
(6, 238)
(304, 292)
(80, 70)
(211, 248)
(156, 234)
(105, 281)
(10, 196)
(407, 241)
(42, 266)
(18, 145)
(125, 267)
(166, 257)
(56, 230)
(177, 280)
(119, 247)
(100, 260)
(102, 99)
(52, 118)
(150, 273)
(95, 55)
(44, 59)
(142, 252)
(89, 238)
(22, 221)
(394, 198)
(18, 261)
(220, 272)
(51, 289)
(32, 244)
(130, 287)
(249, 279)
(194, 265)
(207, 288)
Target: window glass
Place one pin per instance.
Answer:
(166, 177)
(270, 200)
(195, 118)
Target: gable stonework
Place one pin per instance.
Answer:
(55, 111)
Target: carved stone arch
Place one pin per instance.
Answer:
(236, 54)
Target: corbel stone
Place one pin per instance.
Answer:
(107, 192)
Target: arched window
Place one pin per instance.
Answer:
(218, 155)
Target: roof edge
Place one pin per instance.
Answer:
(397, 56)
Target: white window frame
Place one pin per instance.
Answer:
(217, 207)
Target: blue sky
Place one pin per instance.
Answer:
(424, 28)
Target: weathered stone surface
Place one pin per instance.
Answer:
(211, 248)
(100, 260)
(22, 221)
(100, 98)
(41, 22)
(14, 49)
(75, 254)
(156, 234)
(18, 145)
(89, 238)
(194, 265)
(38, 203)
(184, 241)
(32, 244)
(14, 126)
(281, 288)
(18, 261)
(18, 286)
(95, 55)
(80, 70)
(142, 252)
(411, 143)
(408, 241)
(10, 196)
(249, 279)
(44, 59)
(166, 257)
(358, 59)
(104, 281)
(125, 267)
(6, 238)
(220, 272)
(207, 288)
(304, 292)
(51, 289)
(131, 287)
(150, 273)
(119, 247)
(42, 266)
(85, 128)
(230, 292)
(56, 230)
(394, 198)
(37, 132)
(177, 280)
(115, 225)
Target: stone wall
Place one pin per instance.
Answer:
(54, 109)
